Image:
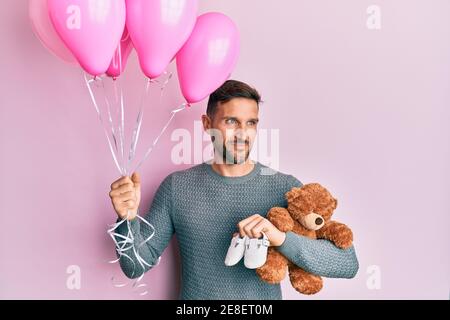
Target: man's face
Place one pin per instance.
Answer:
(233, 129)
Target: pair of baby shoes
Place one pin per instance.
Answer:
(254, 251)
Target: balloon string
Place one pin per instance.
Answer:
(110, 120)
(150, 149)
(120, 119)
(94, 101)
(122, 128)
(137, 127)
(118, 116)
(122, 113)
(165, 83)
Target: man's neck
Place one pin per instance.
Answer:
(233, 170)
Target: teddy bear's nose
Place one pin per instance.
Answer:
(319, 221)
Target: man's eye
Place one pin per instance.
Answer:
(230, 121)
(252, 123)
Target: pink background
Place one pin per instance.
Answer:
(364, 112)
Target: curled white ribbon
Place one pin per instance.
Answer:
(113, 128)
(126, 243)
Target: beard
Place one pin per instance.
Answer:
(230, 154)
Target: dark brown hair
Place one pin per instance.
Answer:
(229, 90)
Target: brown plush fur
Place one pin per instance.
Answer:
(310, 198)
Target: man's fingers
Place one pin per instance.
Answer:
(244, 222)
(130, 195)
(119, 201)
(130, 203)
(136, 179)
(121, 181)
(259, 228)
(118, 183)
(249, 226)
(122, 189)
(126, 205)
(123, 195)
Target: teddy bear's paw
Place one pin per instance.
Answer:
(311, 286)
(271, 275)
(275, 268)
(311, 289)
(343, 238)
(305, 283)
(281, 219)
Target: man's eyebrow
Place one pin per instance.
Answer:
(229, 117)
(235, 118)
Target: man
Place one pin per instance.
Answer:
(208, 203)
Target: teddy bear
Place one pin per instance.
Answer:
(308, 213)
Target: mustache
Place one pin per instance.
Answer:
(239, 141)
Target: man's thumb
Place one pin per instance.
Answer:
(136, 179)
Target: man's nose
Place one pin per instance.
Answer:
(243, 132)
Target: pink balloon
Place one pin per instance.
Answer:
(91, 29)
(121, 55)
(158, 29)
(44, 30)
(209, 56)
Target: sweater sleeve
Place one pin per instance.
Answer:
(320, 257)
(160, 217)
(292, 182)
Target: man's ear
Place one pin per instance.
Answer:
(206, 122)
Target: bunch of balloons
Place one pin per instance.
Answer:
(100, 34)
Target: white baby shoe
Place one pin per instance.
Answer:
(256, 252)
(235, 251)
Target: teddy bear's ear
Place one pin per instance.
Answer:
(293, 194)
(335, 202)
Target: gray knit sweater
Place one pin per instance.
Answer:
(203, 209)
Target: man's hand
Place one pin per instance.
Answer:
(125, 196)
(254, 225)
